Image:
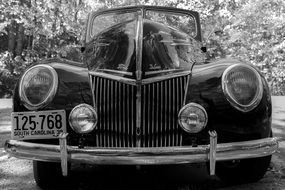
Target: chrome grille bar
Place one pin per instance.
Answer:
(132, 122)
(116, 120)
(177, 108)
(117, 111)
(105, 102)
(120, 119)
(112, 114)
(169, 111)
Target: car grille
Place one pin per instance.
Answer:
(117, 109)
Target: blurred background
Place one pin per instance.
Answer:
(249, 30)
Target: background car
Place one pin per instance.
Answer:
(144, 95)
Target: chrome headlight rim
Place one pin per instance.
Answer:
(50, 95)
(192, 104)
(242, 107)
(93, 110)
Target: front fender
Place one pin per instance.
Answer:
(73, 86)
(232, 125)
(73, 89)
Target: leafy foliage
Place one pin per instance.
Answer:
(10, 70)
(250, 30)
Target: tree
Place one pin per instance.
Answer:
(250, 30)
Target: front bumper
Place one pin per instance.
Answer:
(143, 156)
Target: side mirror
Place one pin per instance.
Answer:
(82, 49)
(204, 49)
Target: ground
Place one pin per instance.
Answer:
(17, 174)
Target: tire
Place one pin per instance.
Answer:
(243, 171)
(47, 174)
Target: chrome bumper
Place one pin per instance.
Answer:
(143, 156)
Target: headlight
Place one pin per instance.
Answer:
(192, 118)
(242, 86)
(83, 118)
(38, 86)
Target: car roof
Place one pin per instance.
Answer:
(149, 7)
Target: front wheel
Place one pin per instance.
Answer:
(47, 174)
(243, 171)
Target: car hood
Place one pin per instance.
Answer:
(149, 48)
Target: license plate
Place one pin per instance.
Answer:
(38, 125)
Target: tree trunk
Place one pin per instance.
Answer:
(12, 37)
(20, 40)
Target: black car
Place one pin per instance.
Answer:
(143, 95)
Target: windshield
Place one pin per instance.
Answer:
(183, 22)
(105, 21)
(167, 38)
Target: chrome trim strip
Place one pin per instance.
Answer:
(115, 71)
(186, 89)
(50, 95)
(116, 119)
(162, 71)
(108, 105)
(92, 86)
(231, 100)
(177, 108)
(183, 96)
(128, 120)
(101, 113)
(132, 116)
(139, 46)
(161, 96)
(152, 116)
(114, 77)
(98, 135)
(112, 113)
(123, 118)
(134, 82)
(173, 110)
(143, 156)
(169, 111)
(104, 112)
(149, 115)
(164, 77)
(156, 115)
(138, 116)
(121, 140)
(144, 123)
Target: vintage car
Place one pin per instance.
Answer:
(144, 94)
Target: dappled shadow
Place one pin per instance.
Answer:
(16, 174)
(18, 182)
